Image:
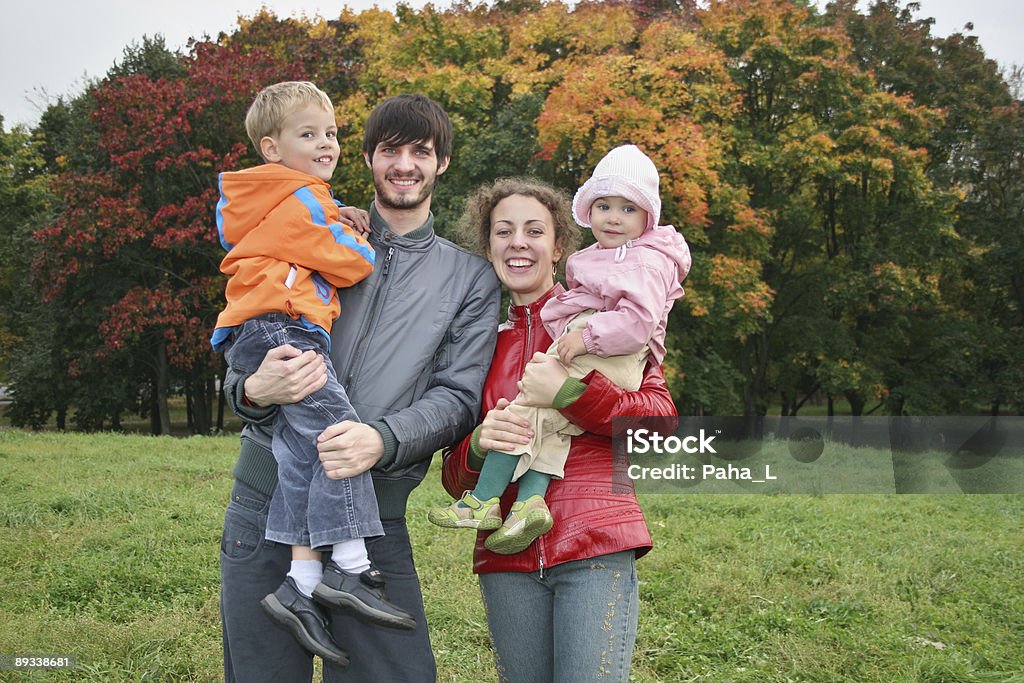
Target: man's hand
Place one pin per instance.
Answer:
(286, 375)
(542, 379)
(358, 218)
(502, 430)
(570, 345)
(349, 448)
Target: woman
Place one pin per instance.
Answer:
(564, 609)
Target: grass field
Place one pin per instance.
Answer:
(108, 553)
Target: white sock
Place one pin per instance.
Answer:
(351, 556)
(307, 574)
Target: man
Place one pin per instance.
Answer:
(412, 348)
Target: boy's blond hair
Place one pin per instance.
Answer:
(275, 102)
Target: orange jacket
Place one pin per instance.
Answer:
(272, 219)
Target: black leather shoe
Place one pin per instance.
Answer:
(305, 620)
(362, 595)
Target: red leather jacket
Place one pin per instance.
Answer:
(590, 520)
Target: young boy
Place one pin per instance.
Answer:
(288, 251)
(612, 317)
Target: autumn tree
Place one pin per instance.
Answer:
(839, 167)
(849, 184)
(25, 202)
(975, 151)
(135, 245)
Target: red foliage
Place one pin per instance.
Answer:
(142, 216)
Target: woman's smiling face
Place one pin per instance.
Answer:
(522, 247)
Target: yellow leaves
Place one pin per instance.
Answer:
(320, 29)
(652, 98)
(546, 46)
(698, 301)
(748, 220)
(743, 295)
(447, 55)
(897, 286)
(561, 33)
(820, 143)
(748, 29)
(598, 28)
(882, 167)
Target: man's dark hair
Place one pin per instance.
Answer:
(403, 119)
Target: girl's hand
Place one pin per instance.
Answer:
(570, 345)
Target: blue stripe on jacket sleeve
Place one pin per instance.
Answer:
(221, 203)
(220, 337)
(316, 213)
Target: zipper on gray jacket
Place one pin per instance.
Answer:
(374, 315)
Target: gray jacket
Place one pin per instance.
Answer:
(412, 347)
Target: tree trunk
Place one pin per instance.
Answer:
(199, 407)
(162, 388)
(154, 411)
(784, 400)
(857, 403)
(748, 381)
(754, 366)
(220, 405)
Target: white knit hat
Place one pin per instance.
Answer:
(624, 172)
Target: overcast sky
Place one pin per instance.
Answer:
(52, 47)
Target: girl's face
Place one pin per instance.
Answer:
(616, 220)
(522, 247)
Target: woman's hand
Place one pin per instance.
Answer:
(502, 430)
(542, 379)
(286, 375)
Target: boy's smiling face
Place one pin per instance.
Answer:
(307, 142)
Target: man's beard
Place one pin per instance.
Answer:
(395, 200)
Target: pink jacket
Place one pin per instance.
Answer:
(632, 288)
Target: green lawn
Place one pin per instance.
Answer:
(108, 552)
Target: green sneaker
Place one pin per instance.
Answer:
(468, 513)
(526, 522)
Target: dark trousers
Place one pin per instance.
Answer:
(256, 649)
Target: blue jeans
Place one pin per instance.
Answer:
(577, 623)
(308, 509)
(256, 649)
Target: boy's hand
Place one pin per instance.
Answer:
(357, 218)
(569, 346)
